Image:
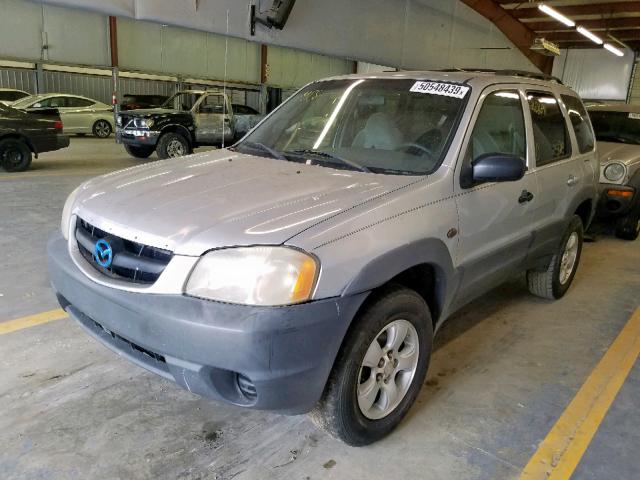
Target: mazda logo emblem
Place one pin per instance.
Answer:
(103, 253)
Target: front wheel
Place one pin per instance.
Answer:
(172, 145)
(15, 155)
(139, 151)
(553, 282)
(379, 370)
(102, 129)
(628, 227)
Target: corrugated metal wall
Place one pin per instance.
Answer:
(18, 78)
(100, 87)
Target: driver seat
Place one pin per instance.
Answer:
(379, 132)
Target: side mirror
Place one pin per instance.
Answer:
(498, 167)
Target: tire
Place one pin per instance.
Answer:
(628, 227)
(172, 145)
(553, 282)
(15, 155)
(339, 411)
(140, 151)
(102, 129)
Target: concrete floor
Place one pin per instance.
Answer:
(503, 371)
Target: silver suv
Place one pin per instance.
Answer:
(307, 267)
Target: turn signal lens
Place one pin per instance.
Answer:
(620, 193)
(303, 288)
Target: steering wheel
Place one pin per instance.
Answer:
(408, 145)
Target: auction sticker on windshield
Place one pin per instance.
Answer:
(437, 88)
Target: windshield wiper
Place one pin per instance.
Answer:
(264, 148)
(319, 153)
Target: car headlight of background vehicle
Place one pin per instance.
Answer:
(614, 172)
(142, 122)
(119, 120)
(66, 212)
(266, 276)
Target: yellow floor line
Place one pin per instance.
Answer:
(560, 452)
(31, 321)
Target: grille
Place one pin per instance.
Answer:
(132, 262)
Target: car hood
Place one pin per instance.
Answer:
(222, 198)
(621, 152)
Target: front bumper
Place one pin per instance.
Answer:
(212, 348)
(617, 200)
(137, 138)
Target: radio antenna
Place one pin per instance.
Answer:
(224, 84)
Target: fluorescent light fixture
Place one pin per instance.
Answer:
(614, 50)
(589, 35)
(557, 15)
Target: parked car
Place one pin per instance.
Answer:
(308, 266)
(189, 119)
(23, 135)
(617, 129)
(10, 95)
(135, 102)
(80, 115)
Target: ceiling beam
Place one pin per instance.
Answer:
(603, 24)
(518, 33)
(622, 35)
(575, 10)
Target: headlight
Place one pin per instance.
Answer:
(119, 120)
(142, 123)
(254, 276)
(66, 212)
(614, 172)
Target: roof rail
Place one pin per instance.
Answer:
(509, 73)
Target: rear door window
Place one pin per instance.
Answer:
(78, 102)
(580, 122)
(549, 128)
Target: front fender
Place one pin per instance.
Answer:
(431, 251)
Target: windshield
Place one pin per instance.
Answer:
(182, 101)
(26, 101)
(617, 127)
(377, 125)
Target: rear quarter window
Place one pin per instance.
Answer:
(580, 123)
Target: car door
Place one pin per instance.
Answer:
(213, 119)
(78, 115)
(495, 219)
(559, 172)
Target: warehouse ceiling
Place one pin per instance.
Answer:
(621, 19)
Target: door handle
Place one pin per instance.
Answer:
(525, 196)
(572, 180)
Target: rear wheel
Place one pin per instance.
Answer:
(102, 129)
(173, 145)
(139, 151)
(15, 155)
(379, 370)
(555, 280)
(628, 227)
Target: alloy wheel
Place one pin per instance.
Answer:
(175, 148)
(568, 261)
(387, 369)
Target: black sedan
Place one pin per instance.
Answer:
(24, 134)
